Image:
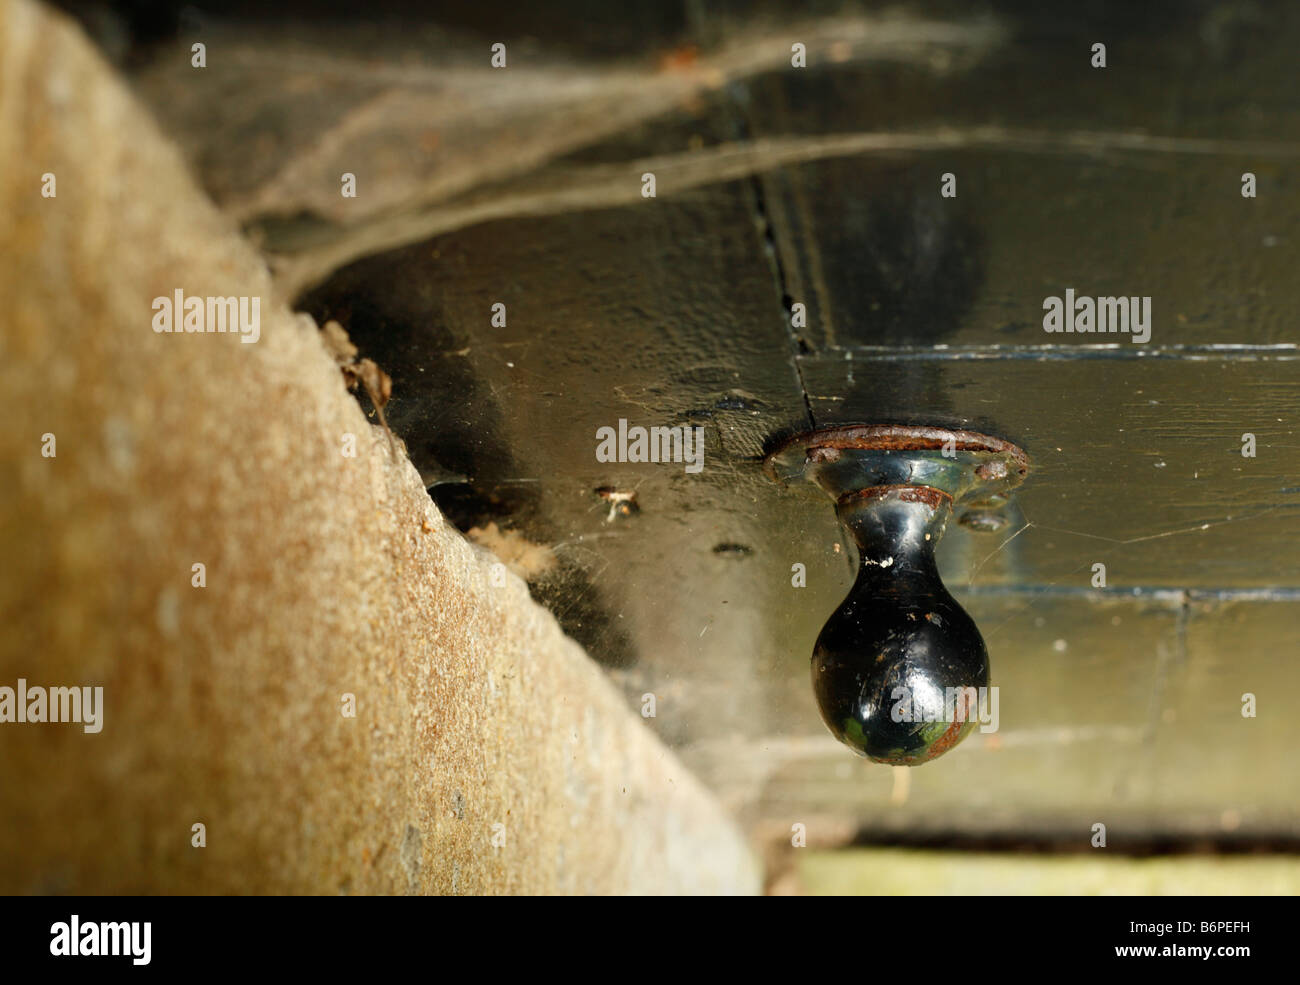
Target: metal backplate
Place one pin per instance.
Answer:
(974, 469)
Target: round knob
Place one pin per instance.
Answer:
(899, 670)
(899, 667)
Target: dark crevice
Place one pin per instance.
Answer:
(763, 219)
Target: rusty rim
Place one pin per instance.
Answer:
(931, 496)
(819, 444)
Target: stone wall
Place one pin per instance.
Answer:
(487, 753)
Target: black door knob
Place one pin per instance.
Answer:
(899, 666)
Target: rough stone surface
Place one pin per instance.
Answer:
(325, 575)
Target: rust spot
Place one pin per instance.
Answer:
(946, 741)
(893, 760)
